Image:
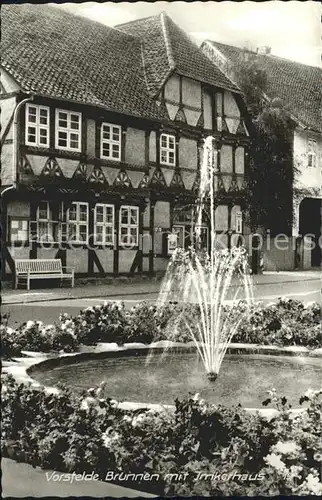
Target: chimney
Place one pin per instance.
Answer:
(265, 50)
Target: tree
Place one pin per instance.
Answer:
(272, 172)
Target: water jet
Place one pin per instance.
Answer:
(195, 276)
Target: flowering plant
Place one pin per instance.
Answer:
(100, 323)
(285, 323)
(60, 431)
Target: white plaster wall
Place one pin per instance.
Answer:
(308, 177)
(7, 109)
(239, 160)
(226, 158)
(188, 153)
(18, 209)
(207, 109)
(221, 218)
(191, 92)
(230, 106)
(162, 214)
(152, 147)
(172, 88)
(9, 84)
(135, 146)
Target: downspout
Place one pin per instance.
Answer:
(15, 137)
(13, 187)
(15, 145)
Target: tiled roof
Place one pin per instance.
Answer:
(57, 54)
(54, 53)
(166, 48)
(298, 85)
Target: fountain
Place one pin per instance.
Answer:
(196, 277)
(202, 281)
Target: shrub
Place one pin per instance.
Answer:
(60, 431)
(35, 336)
(147, 323)
(101, 323)
(141, 324)
(285, 323)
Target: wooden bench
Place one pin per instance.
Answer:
(27, 270)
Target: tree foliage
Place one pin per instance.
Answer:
(271, 171)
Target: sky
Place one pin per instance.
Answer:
(292, 29)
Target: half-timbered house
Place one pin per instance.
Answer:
(102, 139)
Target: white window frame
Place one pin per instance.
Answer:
(239, 222)
(104, 224)
(311, 154)
(179, 230)
(110, 141)
(47, 221)
(203, 228)
(13, 220)
(37, 125)
(167, 150)
(77, 223)
(128, 225)
(68, 130)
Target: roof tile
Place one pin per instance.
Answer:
(55, 53)
(298, 85)
(166, 47)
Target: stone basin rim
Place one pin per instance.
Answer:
(112, 350)
(52, 360)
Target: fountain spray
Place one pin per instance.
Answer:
(195, 278)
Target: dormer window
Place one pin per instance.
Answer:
(37, 125)
(167, 149)
(68, 130)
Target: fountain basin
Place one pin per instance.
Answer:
(244, 378)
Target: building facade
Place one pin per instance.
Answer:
(298, 87)
(102, 140)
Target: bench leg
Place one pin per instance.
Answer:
(28, 284)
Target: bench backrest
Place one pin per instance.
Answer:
(38, 266)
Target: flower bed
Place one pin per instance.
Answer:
(216, 450)
(285, 323)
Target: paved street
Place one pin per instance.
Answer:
(19, 478)
(33, 305)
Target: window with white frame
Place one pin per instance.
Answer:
(201, 235)
(77, 222)
(111, 141)
(167, 149)
(103, 224)
(18, 230)
(44, 223)
(37, 125)
(129, 226)
(239, 222)
(68, 129)
(311, 155)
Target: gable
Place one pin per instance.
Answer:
(8, 83)
(167, 48)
